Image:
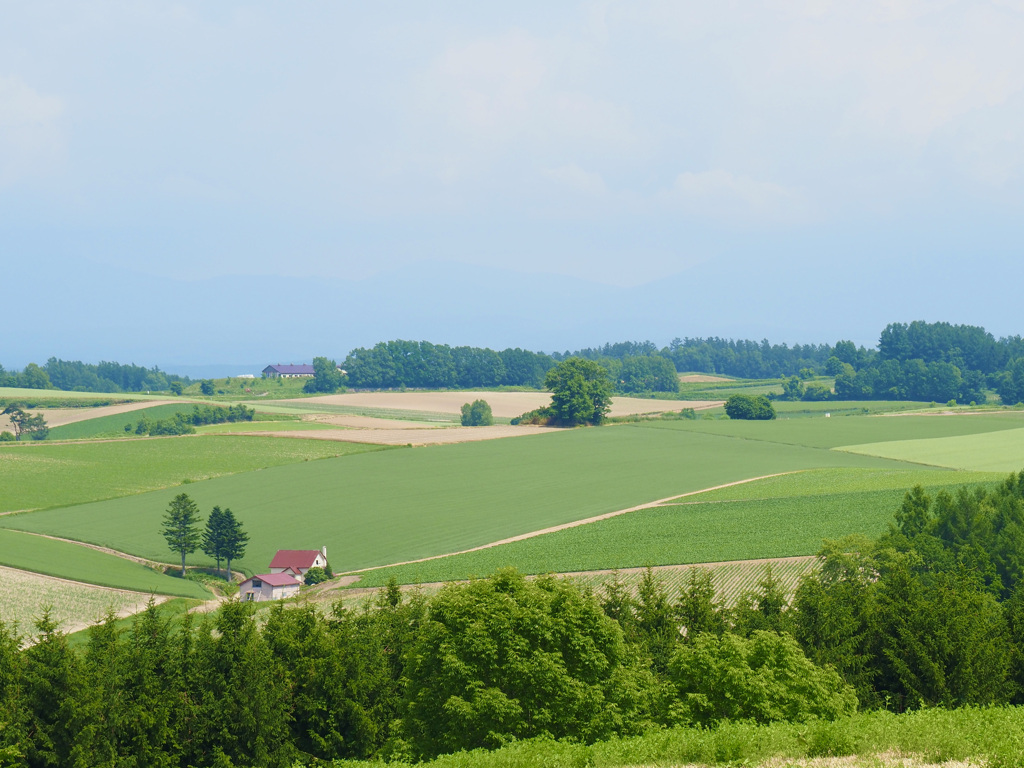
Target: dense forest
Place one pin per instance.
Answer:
(929, 614)
(922, 361)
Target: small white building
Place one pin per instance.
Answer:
(269, 586)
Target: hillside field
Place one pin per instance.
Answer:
(378, 508)
(77, 563)
(41, 475)
(784, 516)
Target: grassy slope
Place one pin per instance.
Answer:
(1001, 452)
(776, 517)
(71, 561)
(113, 425)
(397, 505)
(37, 475)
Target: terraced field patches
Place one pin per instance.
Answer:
(730, 580)
(38, 475)
(374, 509)
(67, 560)
(72, 605)
(1001, 452)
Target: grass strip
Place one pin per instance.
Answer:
(67, 560)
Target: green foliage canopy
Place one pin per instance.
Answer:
(581, 392)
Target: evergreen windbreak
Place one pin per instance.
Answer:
(930, 614)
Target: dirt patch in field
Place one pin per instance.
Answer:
(702, 378)
(413, 436)
(367, 422)
(58, 417)
(504, 405)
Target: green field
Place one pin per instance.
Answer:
(385, 507)
(841, 431)
(1001, 452)
(113, 425)
(71, 561)
(38, 475)
(776, 517)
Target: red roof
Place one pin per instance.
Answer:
(277, 579)
(294, 558)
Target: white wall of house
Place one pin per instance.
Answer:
(248, 591)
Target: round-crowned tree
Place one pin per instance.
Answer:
(581, 392)
(751, 407)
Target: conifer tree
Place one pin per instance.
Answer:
(181, 526)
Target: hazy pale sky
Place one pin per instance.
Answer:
(601, 146)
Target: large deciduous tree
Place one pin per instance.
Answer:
(326, 377)
(181, 527)
(25, 423)
(581, 392)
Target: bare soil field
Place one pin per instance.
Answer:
(504, 405)
(58, 417)
(411, 436)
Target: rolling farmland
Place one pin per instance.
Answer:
(103, 470)
(378, 508)
(1000, 452)
(776, 517)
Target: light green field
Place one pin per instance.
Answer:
(379, 508)
(776, 517)
(262, 426)
(1000, 452)
(17, 393)
(38, 475)
(848, 430)
(71, 561)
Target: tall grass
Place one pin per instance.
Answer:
(993, 735)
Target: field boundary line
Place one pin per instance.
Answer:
(576, 523)
(98, 548)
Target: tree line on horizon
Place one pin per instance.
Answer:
(929, 614)
(916, 361)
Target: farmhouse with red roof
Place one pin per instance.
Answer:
(287, 570)
(298, 561)
(269, 586)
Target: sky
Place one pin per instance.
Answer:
(239, 183)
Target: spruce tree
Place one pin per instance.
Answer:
(181, 526)
(213, 537)
(233, 539)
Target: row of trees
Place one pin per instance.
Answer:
(395, 364)
(76, 376)
(185, 423)
(222, 539)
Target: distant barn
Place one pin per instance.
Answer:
(288, 371)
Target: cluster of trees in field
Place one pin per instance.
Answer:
(76, 376)
(222, 539)
(186, 423)
(929, 614)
